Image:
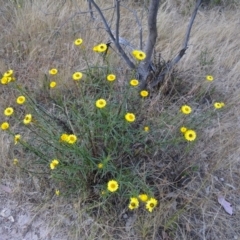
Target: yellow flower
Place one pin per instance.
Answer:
(64, 137)
(15, 161)
(190, 135)
(102, 47)
(57, 192)
(8, 111)
(134, 203)
(21, 100)
(8, 73)
(78, 41)
(186, 109)
(27, 119)
(111, 77)
(4, 80)
(134, 82)
(53, 71)
(143, 197)
(53, 84)
(144, 93)
(77, 76)
(54, 163)
(72, 139)
(130, 117)
(183, 129)
(101, 103)
(139, 55)
(151, 204)
(218, 105)
(146, 128)
(4, 125)
(100, 165)
(17, 137)
(112, 186)
(209, 78)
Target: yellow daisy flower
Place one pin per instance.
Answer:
(100, 165)
(134, 203)
(77, 76)
(64, 137)
(8, 73)
(53, 84)
(111, 77)
(190, 135)
(130, 117)
(183, 129)
(112, 186)
(151, 204)
(209, 78)
(146, 128)
(185, 109)
(218, 105)
(139, 55)
(8, 111)
(5, 126)
(144, 93)
(4, 80)
(27, 119)
(17, 137)
(101, 103)
(54, 164)
(20, 100)
(143, 197)
(53, 71)
(78, 42)
(134, 82)
(102, 47)
(72, 139)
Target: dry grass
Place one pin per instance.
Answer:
(39, 35)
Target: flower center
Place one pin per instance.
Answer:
(151, 205)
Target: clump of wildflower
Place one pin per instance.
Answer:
(100, 165)
(111, 77)
(54, 164)
(139, 55)
(151, 204)
(21, 100)
(8, 73)
(102, 47)
(101, 103)
(218, 105)
(57, 192)
(8, 111)
(144, 93)
(5, 126)
(185, 109)
(209, 78)
(134, 82)
(27, 119)
(112, 186)
(190, 135)
(15, 161)
(134, 203)
(53, 71)
(52, 84)
(17, 137)
(183, 129)
(77, 76)
(146, 128)
(130, 117)
(72, 139)
(143, 197)
(78, 42)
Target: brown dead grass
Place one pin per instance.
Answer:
(39, 36)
